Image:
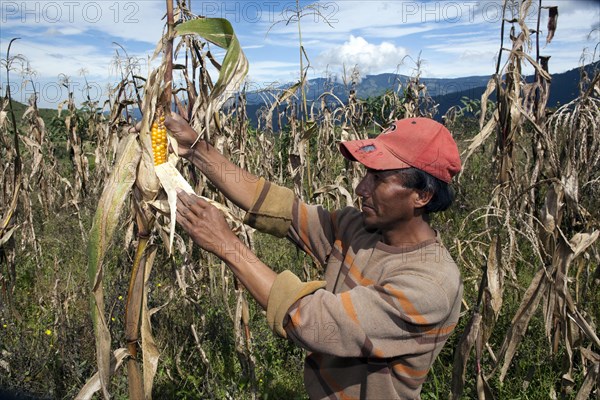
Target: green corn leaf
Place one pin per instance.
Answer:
(235, 65)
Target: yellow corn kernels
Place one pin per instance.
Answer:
(159, 140)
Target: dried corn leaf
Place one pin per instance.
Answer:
(480, 138)
(287, 93)
(535, 65)
(7, 235)
(494, 276)
(585, 326)
(552, 205)
(114, 196)
(150, 351)
(552, 23)
(93, 384)
(461, 356)
(591, 380)
(4, 225)
(523, 13)
(581, 241)
(484, 391)
(133, 310)
(332, 189)
(491, 86)
(590, 355)
(172, 181)
(520, 321)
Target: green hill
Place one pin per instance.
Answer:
(19, 109)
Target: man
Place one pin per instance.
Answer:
(391, 294)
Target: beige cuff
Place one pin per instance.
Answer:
(271, 210)
(286, 290)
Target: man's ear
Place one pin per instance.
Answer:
(422, 198)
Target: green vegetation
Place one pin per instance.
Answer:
(523, 231)
(47, 335)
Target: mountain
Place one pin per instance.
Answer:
(376, 85)
(20, 108)
(447, 92)
(563, 89)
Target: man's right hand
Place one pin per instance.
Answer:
(236, 184)
(187, 138)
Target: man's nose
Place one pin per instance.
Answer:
(362, 189)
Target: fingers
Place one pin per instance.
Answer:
(179, 127)
(136, 128)
(189, 215)
(190, 208)
(176, 117)
(175, 121)
(170, 122)
(193, 202)
(204, 223)
(183, 207)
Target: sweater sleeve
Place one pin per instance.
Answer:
(271, 210)
(406, 314)
(286, 290)
(277, 211)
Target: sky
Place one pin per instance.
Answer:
(79, 39)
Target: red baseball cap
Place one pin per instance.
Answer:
(413, 142)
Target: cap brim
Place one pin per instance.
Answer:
(371, 154)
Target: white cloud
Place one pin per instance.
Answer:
(365, 18)
(454, 38)
(369, 58)
(468, 64)
(53, 31)
(267, 72)
(48, 60)
(128, 20)
(396, 31)
(51, 63)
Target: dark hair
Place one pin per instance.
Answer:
(416, 179)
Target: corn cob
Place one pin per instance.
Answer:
(159, 140)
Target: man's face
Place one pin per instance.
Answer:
(386, 203)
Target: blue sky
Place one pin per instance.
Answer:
(453, 38)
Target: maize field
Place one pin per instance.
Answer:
(102, 295)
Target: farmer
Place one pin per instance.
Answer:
(391, 294)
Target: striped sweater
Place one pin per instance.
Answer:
(374, 327)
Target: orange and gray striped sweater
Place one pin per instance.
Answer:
(374, 327)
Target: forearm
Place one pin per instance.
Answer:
(207, 227)
(237, 184)
(256, 276)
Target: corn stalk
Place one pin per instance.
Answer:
(14, 181)
(152, 191)
(554, 160)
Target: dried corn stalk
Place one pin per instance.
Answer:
(564, 158)
(136, 173)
